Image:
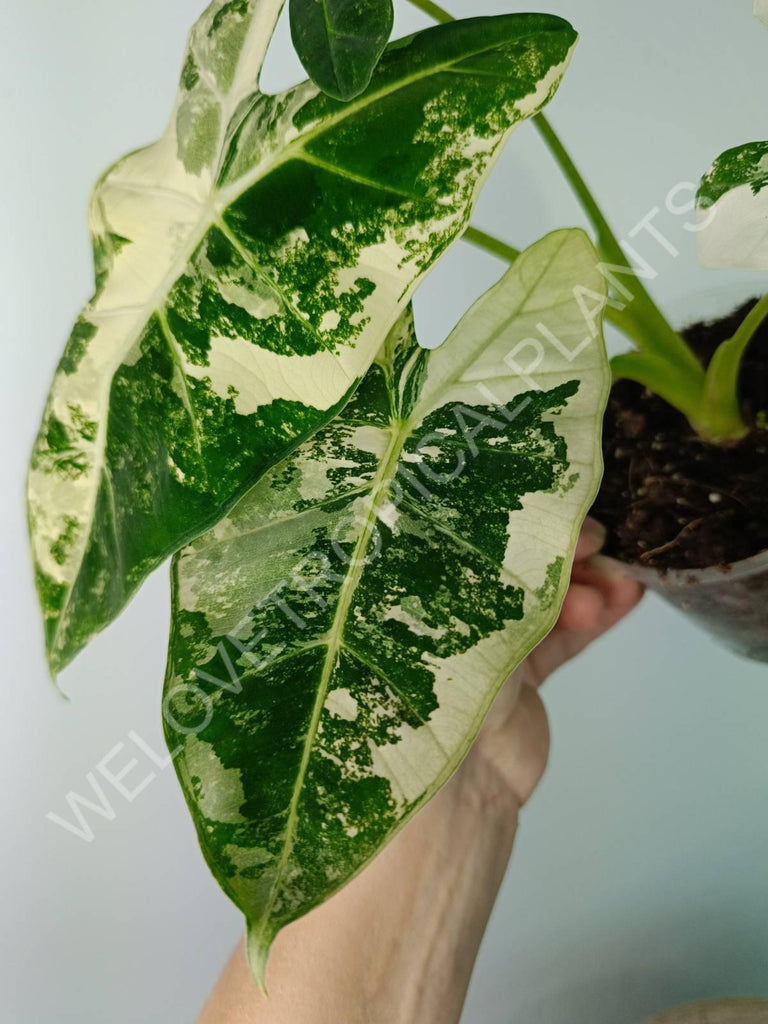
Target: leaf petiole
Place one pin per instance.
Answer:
(489, 243)
(652, 331)
(721, 418)
(433, 11)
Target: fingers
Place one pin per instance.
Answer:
(611, 597)
(596, 601)
(594, 604)
(591, 539)
(583, 608)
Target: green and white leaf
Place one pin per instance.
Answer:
(732, 210)
(338, 638)
(339, 42)
(761, 10)
(249, 266)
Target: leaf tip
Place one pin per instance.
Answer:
(257, 946)
(56, 659)
(53, 671)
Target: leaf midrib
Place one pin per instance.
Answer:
(334, 641)
(330, 33)
(380, 488)
(352, 107)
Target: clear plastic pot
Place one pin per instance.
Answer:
(730, 603)
(726, 1011)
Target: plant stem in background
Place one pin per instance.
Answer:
(433, 11)
(663, 360)
(496, 247)
(491, 244)
(655, 333)
(722, 411)
(712, 406)
(642, 321)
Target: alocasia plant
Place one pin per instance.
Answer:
(249, 266)
(369, 537)
(339, 636)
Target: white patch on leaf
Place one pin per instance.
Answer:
(733, 233)
(342, 704)
(221, 795)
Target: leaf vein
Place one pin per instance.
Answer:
(399, 692)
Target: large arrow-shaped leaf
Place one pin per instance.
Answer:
(249, 266)
(340, 41)
(338, 638)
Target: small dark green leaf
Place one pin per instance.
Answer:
(339, 42)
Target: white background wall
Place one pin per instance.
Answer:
(640, 878)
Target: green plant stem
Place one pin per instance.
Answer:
(496, 247)
(644, 322)
(491, 244)
(720, 418)
(624, 322)
(607, 241)
(433, 11)
(651, 331)
(749, 325)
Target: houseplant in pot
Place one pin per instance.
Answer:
(367, 537)
(688, 501)
(685, 490)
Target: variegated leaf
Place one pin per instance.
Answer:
(732, 209)
(339, 636)
(732, 203)
(339, 42)
(249, 266)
